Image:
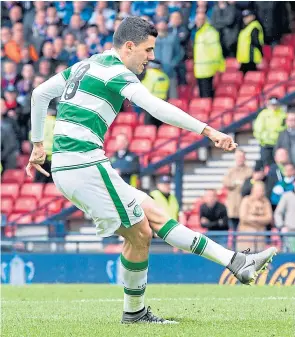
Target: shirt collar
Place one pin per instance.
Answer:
(113, 51)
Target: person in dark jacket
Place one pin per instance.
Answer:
(213, 214)
(257, 175)
(125, 162)
(177, 27)
(227, 19)
(287, 138)
(169, 52)
(274, 18)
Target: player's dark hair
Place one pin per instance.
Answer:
(133, 29)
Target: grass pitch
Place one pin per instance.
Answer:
(95, 311)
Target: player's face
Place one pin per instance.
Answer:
(141, 55)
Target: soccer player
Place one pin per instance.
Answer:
(92, 92)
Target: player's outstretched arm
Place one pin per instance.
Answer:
(172, 115)
(40, 100)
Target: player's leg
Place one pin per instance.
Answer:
(134, 265)
(244, 267)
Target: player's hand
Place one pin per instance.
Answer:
(221, 140)
(37, 159)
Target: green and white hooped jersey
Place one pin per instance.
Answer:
(95, 89)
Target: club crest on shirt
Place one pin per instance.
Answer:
(137, 211)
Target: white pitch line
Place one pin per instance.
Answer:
(105, 300)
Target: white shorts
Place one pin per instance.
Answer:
(102, 194)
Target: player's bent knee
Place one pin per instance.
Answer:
(141, 237)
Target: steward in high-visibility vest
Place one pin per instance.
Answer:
(208, 57)
(164, 198)
(250, 42)
(156, 81)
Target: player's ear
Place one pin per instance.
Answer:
(129, 45)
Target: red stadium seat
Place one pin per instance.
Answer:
(191, 156)
(10, 190)
(267, 51)
(13, 176)
(270, 91)
(216, 80)
(6, 205)
(247, 104)
(291, 89)
(76, 215)
(283, 51)
(32, 190)
(190, 136)
(168, 148)
(53, 206)
(22, 161)
(39, 218)
(168, 131)
(200, 104)
(202, 116)
(254, 77)
(194, 222)
(232, 78)
(50, 190)
(223, 103)
(263, 65)
(292, 78)
(26, 147)
(289, 40)
(232, 64)
(277, 76)
(228, 90)
(20, 220)
(249, 90)
(140, 146)
(111, 147)
(163, 170)
(126, 129)
(220, 120)
(184, 92)
(195, 92)
(25, 204)
(180, 103)
(127, 118)
(240, 115)
(280, 63)
(190, 78)
(146, 131)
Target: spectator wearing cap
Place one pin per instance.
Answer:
(267, 127)
(213, 214)
(285, 184)
(208, 57)
(169, 52)
(161, 13)
(226, 19)
(164, 198)
(125, 162)
(177, 27)
(287, 138)
(157, 82)
(13, 47)
(250, 42)
(257, 175)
